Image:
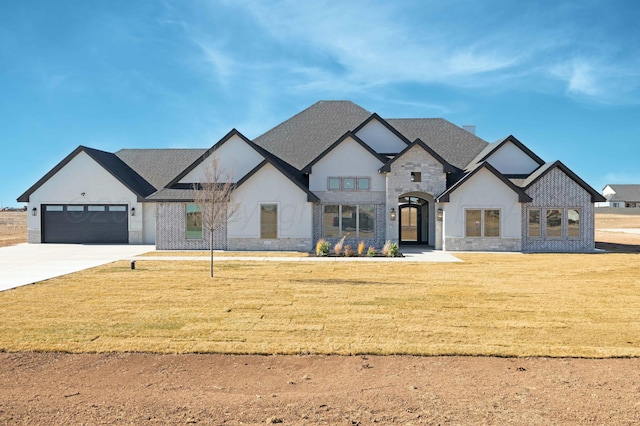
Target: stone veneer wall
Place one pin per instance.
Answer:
(34, 236)
(375, 198)
(171, 231)
(483, 244)
(557, 190)
(433, 182)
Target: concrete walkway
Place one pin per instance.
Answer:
(417, 254)
(29, 263)
(623, 230)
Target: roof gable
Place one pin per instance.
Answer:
(311, 197)
(446, 167)
(231, 135)
(493, 150)
(346, 136)
(375, 131)
(522, 196)
(454, 144)
(108, 161)
(543, 170)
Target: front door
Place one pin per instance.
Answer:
(410, 224)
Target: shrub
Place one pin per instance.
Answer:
(337, 249)
(372, 251)
(361, 247)
(322, 247)
(385, 248)
(394, 250)
(348, 251)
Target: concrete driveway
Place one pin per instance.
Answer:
(29, 263)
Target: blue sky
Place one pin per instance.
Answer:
(561, 76)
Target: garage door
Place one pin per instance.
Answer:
(94, 223)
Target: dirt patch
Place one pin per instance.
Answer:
(13, 228)
(358, 390)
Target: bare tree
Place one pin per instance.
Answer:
(213, 196)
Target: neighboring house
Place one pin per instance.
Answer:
(621, 196)
(334, 170)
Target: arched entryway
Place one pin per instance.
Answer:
(414, 220)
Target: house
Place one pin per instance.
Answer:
(333, 170)
(621, 196)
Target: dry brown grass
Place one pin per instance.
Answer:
(492, 304)
(13, 228)
(604, 221)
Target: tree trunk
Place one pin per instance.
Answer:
(211, 252)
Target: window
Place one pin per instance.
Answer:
(117, 208)
(573, 223)
(331, 219)
(333, 184)
(492, 223)
(268, 221)
(364, 183)
(348, 183)
(356, 221)
(482, 223)
(534, 223)
(416, 177)
(96, 208)
(193, 220)
(54, 208)
(75, 208)
(473, 223)
(554, 223)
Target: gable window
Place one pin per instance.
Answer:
(416, 177)
(534, 223)
(193, 221)
(364, 183)
(348, 183)
(333, 184)
(482, 223)
(554, 223)
(352, 220)
(268, 221)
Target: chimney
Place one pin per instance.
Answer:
(471, 128)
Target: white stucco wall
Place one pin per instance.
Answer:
(235, 158)
(269, 186)
(83, 175)
(510, 159)
(348, 159)
(149, 223)
(483, 190)
(380, 138)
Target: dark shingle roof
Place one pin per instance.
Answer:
(456, 145)
(626, 192)
(159, 166)
(303, 137)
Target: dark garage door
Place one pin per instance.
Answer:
(95, 223)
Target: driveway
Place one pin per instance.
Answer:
(29, 263)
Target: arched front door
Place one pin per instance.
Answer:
(413, 211)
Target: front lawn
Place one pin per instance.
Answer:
(491, 304)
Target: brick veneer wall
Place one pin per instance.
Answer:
(171, 231)
(433, 182)
(279, 244)
(557, 190)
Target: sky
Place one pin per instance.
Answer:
(563, 77)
